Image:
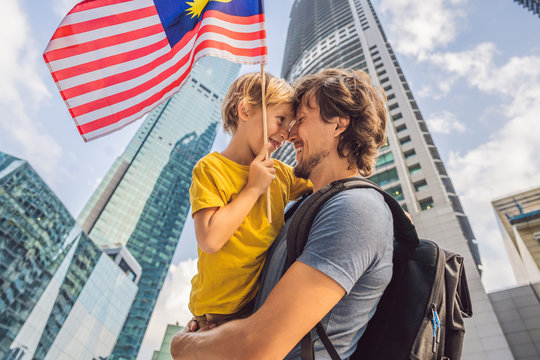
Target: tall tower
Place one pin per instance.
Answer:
(61, 296)
(532, 5)
(348, 34)
(143, 200)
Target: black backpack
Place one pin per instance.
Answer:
(420, 315)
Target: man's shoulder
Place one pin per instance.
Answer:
(357, 199)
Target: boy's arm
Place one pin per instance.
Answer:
(298, 186)
(215, 226)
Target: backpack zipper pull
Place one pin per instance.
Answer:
(436, 327)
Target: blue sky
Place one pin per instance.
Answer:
(473, 66)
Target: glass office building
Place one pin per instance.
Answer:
(61, 296)
(143, 201)
(348, 34)
(532, 5)
(164, 353)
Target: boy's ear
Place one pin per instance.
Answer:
(242, 110)
(341, 125)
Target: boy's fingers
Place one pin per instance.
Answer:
(268, 163)
(264, 150)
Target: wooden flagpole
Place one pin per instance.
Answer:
(265, 137)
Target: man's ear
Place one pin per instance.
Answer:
(341, 125)
(242, 110)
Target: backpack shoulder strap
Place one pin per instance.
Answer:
(300, 225)
(305, 211)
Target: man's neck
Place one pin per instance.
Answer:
(331, 169)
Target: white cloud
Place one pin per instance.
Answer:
(62, 7)
(444, 122)
(508, 161)
(418, 27)
(22, 91)
(171, 306)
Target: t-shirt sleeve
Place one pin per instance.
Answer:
(204, 191)
(349, 235)
(297, 186)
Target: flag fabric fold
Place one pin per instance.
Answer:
(115, 60)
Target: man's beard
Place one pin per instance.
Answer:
(304, 167)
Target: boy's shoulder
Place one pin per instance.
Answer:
(282, 166)
(208, 160)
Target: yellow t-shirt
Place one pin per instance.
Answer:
(228, 279)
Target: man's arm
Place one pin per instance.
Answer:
(300, 299)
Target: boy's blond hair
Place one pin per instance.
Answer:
(248, 88)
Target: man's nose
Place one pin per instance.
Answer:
(292, 133)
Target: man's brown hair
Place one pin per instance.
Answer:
(247, 88)
(348, 94)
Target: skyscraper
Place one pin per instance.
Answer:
(348, 34)
(164, 353)
(143, 200)
(61, 296)
(532, 5)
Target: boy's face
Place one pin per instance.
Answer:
(279, 118)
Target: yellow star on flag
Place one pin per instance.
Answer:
(196, 7)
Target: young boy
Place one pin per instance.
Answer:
(228, 206)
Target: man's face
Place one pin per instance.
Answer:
(311, 138)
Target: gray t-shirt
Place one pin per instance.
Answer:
(350, 241)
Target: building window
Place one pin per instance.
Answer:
(416, 168)
(384, 159)
(536, 236)
(405, 140)
(396, 193)
(426, 204)
(401, 128)
(389, 87)
(397, 116)
(385, 177)
(404, 207)
(390, 96)
(384, 80)
(409, 154)
(393, 106)
(385, 145)
(420, 185)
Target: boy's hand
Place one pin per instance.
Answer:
(261, 171)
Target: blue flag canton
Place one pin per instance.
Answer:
(181, 16)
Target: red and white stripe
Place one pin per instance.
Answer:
(112, 62)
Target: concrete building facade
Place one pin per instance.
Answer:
(518, 217)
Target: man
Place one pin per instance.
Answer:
(347, 261)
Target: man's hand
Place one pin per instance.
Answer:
(409, 216)
(261, 171)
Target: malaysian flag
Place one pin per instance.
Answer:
(116, 60)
